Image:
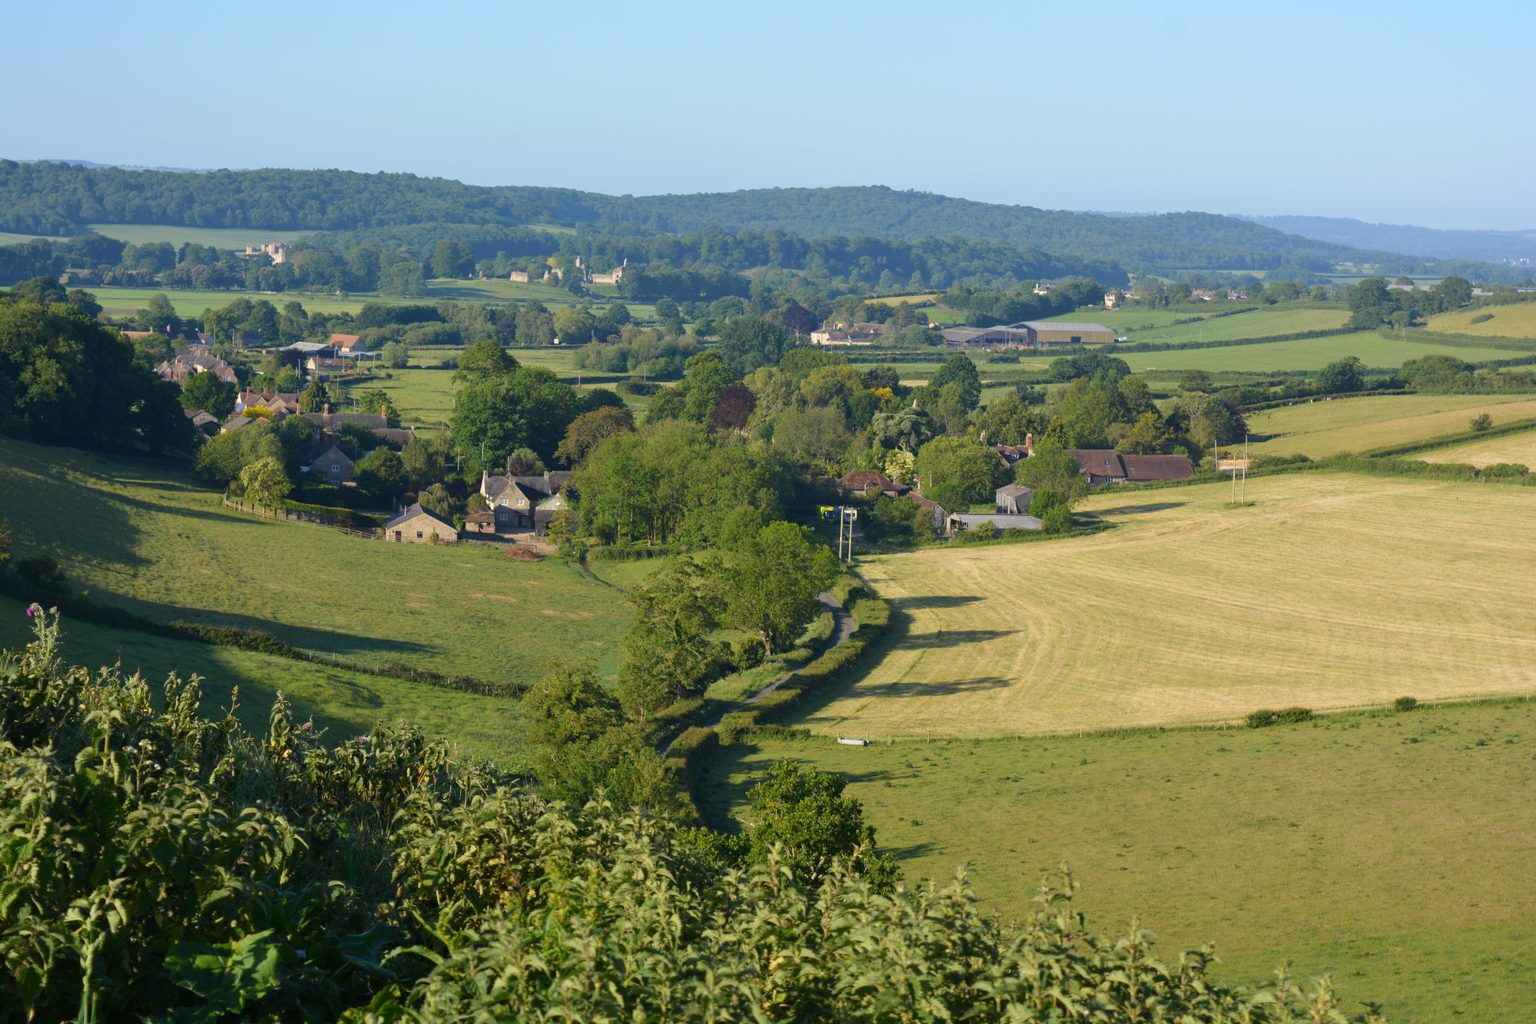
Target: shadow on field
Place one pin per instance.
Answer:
(310, 638)
(1136, 510)
(951, 638)
(937, 601)
(936, 689)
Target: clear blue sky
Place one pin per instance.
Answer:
(1400, 112)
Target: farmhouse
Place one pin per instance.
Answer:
(1029, 334)
(349, 345)
(856, 334)
(417, 525)
(523, 503)
(1107, 466)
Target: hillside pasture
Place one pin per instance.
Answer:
(12, 238)
(1331, 427)
(219, 238)
(1511, 448)
(1305, 354)
(1392, 850)
(143, 537)
(1513, 321)
(1330, 591)
(342, 703)
(117, 301)
(1260, 323)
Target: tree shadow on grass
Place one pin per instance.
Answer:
(937, 689)
(1136, 510)
(937, 601)
(942, 638)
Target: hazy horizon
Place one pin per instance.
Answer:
(1378, 113)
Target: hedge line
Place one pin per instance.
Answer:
(1393, 451)
(1184, 346)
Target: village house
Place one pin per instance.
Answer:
(864, 481)
(278, 403)
(186, 365)
(522, 504)
(1029, 334)
(1107, 466)
(855, 334)
(329, 462)
(417, 525)
(348, 345)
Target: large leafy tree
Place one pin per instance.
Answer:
(206, 392)
(668, 652)
(957, 471)
(747, 342)
(591, 429)
(776, 574)
(803, 812)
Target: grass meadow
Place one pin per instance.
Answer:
(1322, 428)
(1393, 851)
(1513, 321)
(219, 238)
(144, 537)
(1330, 591)
(1517, 448)
(1158, 324)
(1305, 354)
(344, 704)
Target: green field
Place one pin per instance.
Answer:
(1511, 448)
(345, 704)
(219, 238)
(1306, 354)
(1322, 428)
(117, 301)
(1514, 321)
(11, 238)
(148, 539)
(1190, 611)
(1392, 850)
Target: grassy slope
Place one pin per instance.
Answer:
(1307, 354)
(1193, 612)
(1514, 321)
(343, 703)
(1391, 850)
(221, 238)
(1320, 429)
(1518, 448)
(148, 539)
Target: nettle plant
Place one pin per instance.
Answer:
(159, 865)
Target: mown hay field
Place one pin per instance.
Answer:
(1511, 448)
(1305, 354)
(1393, 851)
(1261, 323)
(1322, 428)
(1513, 321)
(145, 537)
(1329, 591)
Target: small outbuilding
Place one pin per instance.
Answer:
(1014, 499)
(959, 522)
(417, 525)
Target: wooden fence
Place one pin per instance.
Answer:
(293, 515)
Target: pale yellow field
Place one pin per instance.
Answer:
(1323, 428)
(1331, 591)
(1520, 448)
(1515, 321)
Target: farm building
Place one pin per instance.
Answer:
(1014, 499)
(1029, 334)
(417, 525)
(1107, 466)
(959, 522)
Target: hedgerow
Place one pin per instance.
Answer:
(155, 865)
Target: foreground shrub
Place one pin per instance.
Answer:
(155, 865)
(1405, 704)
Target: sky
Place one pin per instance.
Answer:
(1403, 112)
